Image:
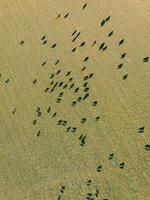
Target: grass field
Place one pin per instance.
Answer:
(74, 100)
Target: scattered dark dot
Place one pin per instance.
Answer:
(86, 89)
(34, 81)
(94, 103)
(85, 78)
(102, 45)
(70, 79)
(91, 75)
(74, 32)
(59, 122)
(39, 114)
(86, 96)
(85, 84)
(74, 49)
(141, 130)
(120, 66)
(34, 122)
(45, 41)
(54, 114)
(82, 44)
(76, 90)
(38, 133)
(97, 118)
(60, 84)
(121, 41)
(88, 182)
(58, 16)
(54, 87)
(110, 34)
(68, 129)
(86, 59)
(147, 146)
(123, 55)
(66, 15)
(146, 59)
(68, 73)
(73, 129)
(79, 99)
(108, 18)
(82, 140)
(93, 43)
(99, 168)
(59, 197)
(43, 63)
(89, 196)
(46, 90)
(71, 86)
(7, 81)
(73, 103)
(62, 189)
(58, 71)
(83, 120)
(76, 37)
(102, 23)
(84, 6)
(54, 45)
(49, 109)
(125, 77)
(13, 112)
(52, 82)
(97, 193)
(22, 42)
(121, 166)
(61, 94)
(111, 156)
(105, 48)
(65, 86)
(56, 62)
(52, 76)
(43, 37)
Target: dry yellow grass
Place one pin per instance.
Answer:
(35, 167)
